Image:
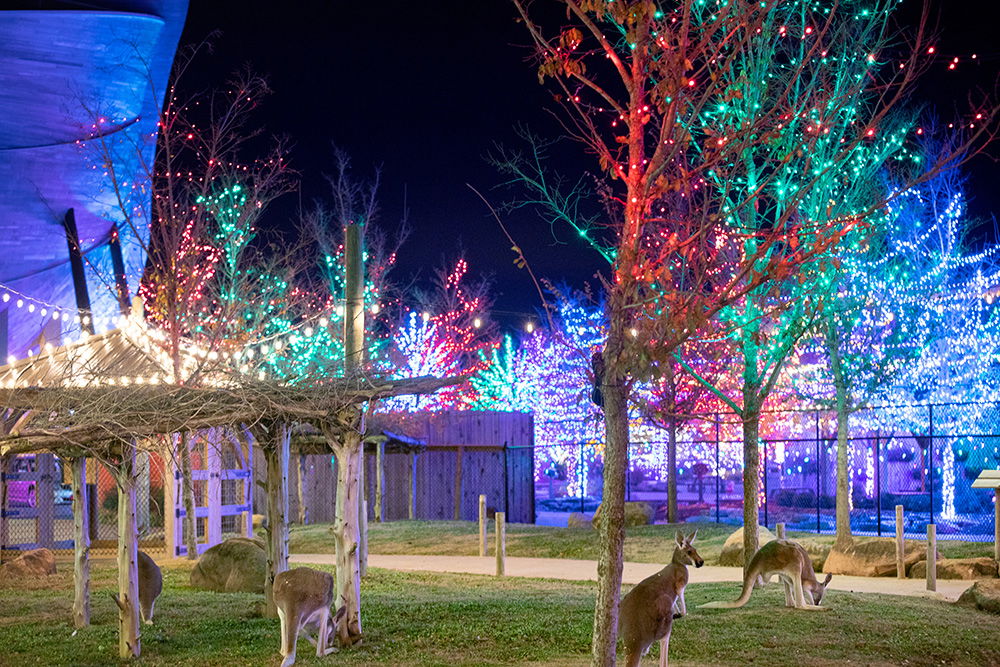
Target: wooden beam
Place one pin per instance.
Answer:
(128, 545)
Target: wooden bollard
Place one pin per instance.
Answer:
(482, 525)
(931, 557)
(501, 542)
(900, 545)
(779, 529)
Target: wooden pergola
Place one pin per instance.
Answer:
(108, 396)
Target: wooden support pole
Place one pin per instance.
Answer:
(501, 543)
(81, 544)
(482, 525)
(411, 506)
(128, 566)
(459, 455)
(900, 545)
(275, 445)
(170, 498)
(931, 557)
(190, 523)
(379, 481)
(779, 530)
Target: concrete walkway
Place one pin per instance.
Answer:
(633, 573)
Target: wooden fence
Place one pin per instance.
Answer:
(467, 453)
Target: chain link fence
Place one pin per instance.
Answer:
(37, 505)
(924, 458)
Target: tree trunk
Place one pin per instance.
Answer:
(612, 524)
(671, 470)
(128, 573)
(751, 482)
(81, 544)
(187, 488)
(347, 532)
(844, 536)
(275, 445)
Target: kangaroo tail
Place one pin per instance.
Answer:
(748, 582)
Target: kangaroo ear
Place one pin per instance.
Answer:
(827, 580)
(680, 538)
(693, 535)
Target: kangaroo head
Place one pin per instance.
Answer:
(685, 553)
(819, 589)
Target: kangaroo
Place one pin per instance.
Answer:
(150, 585)
(648, 611)
(793, 566)
(303, 596)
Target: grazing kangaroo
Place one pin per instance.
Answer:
(303, 596)
(793, 566)
(150, 585)
(648, 610)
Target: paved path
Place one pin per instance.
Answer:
(633, 573)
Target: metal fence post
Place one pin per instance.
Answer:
(930, 460)
(580, 474)
(718, 472)
(818, 469)
(878, 483)
(764, 467)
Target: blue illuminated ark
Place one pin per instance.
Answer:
(81, 87)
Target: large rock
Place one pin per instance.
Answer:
(34, 563)
(236, 565)
(818, 551)
(875, 557)
(984, 594)
(958, 568)
(732, 550)
(636, 514)
(577, 520)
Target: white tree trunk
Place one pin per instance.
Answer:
(128, 573)
(275, 445)
(81, 544)
(347, 533)
(187, 489)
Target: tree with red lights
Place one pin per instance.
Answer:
(708, 121)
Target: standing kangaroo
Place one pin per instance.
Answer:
(648, 611)
(303, 596)
(150, 585)
(794, 568)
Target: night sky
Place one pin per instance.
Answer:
(424, 89)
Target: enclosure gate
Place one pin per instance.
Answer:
(28, 502)
(222, 477)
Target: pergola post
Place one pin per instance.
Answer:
(128, 569)
(81, 544)
(274, 438)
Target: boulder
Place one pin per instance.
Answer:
(874, 557)
(34, 563)
(236, 565)
(958, 568)
(732, 550)
(818, 551)
(984, 595)
(636, 514)
(578, 520)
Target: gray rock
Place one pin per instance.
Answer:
(578, 520)
(984, 595)
(874, 557)
(958, 568)
(34, 563)
(238, 564)
(636, 514)
(732, 550)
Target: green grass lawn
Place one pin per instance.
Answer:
(457, 620)
(643, 544)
